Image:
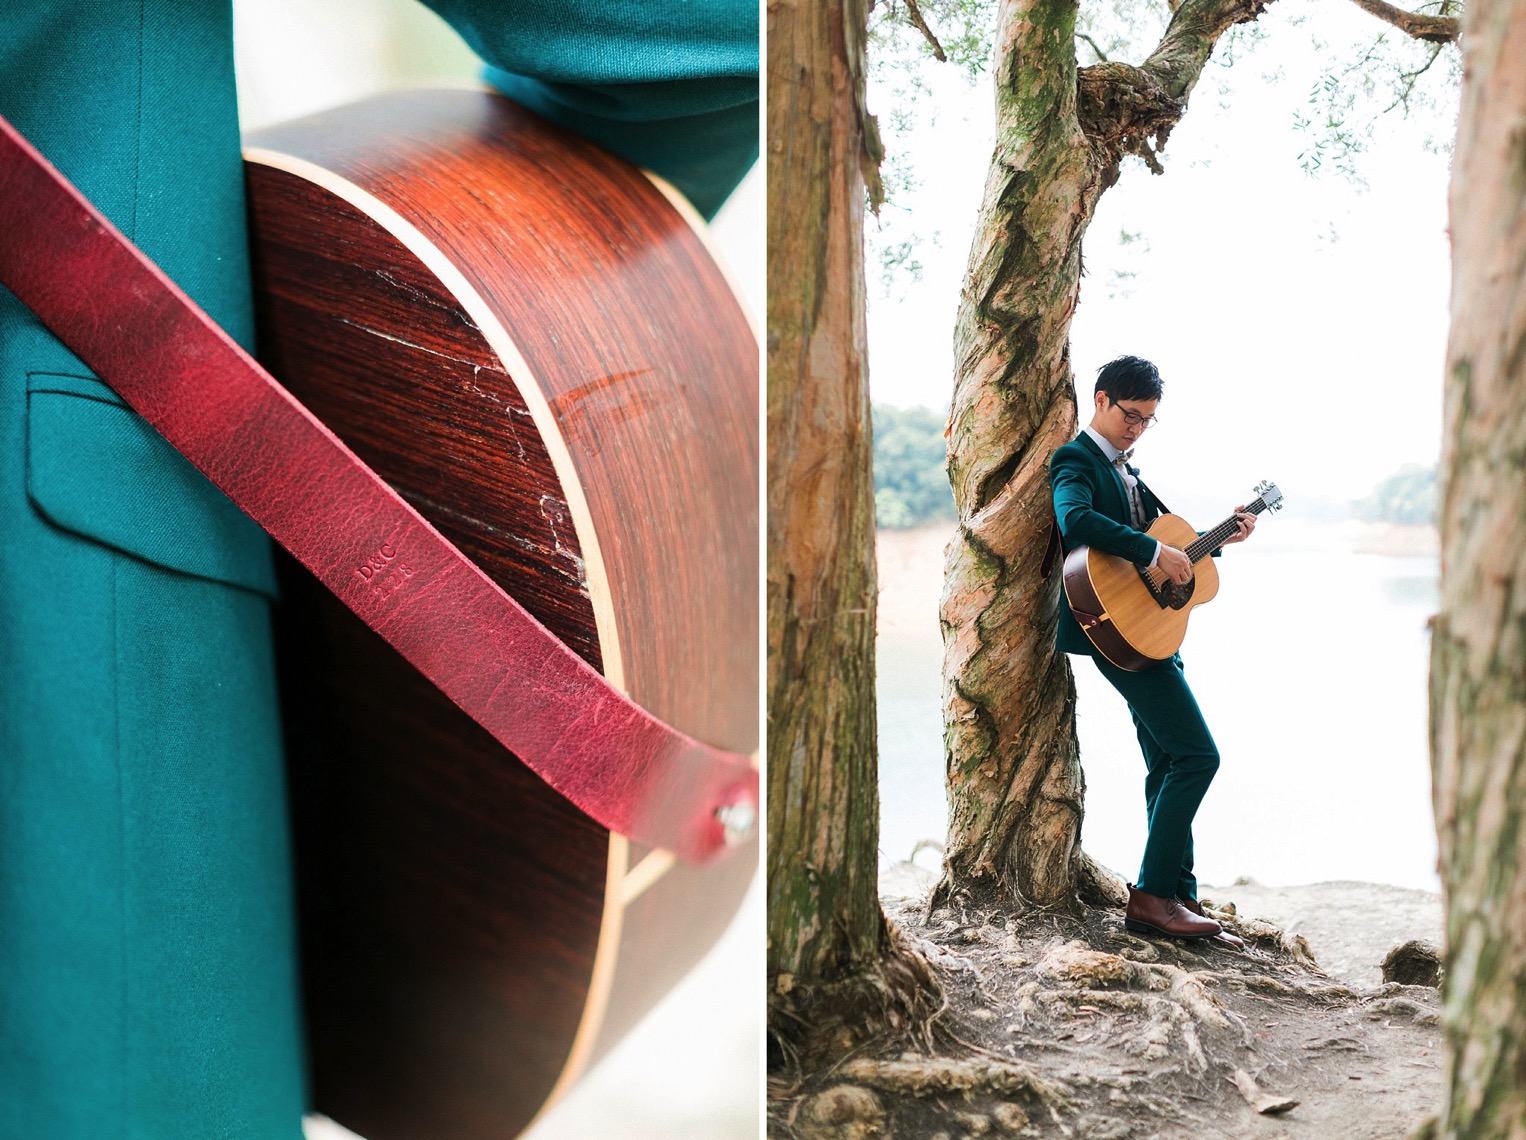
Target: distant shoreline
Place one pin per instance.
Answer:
(911, 559)
(1365, 537)
(1396, 538)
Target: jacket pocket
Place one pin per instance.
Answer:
(98, 470)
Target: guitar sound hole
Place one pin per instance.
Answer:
(1178, 596)
(1167, 594)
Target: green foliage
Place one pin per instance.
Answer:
(1406, 496)
(896, 256)
(899, 263)
(901, 59)
(910, 480)
(962, 29)
(1364, 83)
(1366, 71)
(1131, 253)
(1123, 30)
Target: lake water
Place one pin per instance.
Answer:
(1310, 666)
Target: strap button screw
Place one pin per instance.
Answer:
(737, 821)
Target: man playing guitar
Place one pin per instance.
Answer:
(1100, 502)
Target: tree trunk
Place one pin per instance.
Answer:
(824, 918)
(1478, 697)
(1015, 782)
(1009, 731)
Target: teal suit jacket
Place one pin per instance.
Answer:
(1091, 506)
(147, 970)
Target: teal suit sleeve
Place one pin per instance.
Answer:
(1081, 524)
(672, 87)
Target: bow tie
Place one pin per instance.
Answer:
(1123, 457)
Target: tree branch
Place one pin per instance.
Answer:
(1091, 43)
(1194, 31)
(1410, 78)
(1432, 29)
(1123, 109)
(914, 11)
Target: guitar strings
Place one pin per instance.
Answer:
(1205, 542)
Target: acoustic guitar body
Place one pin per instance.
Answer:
(1134, 630)
(529, 340)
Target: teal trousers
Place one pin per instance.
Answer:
(1180, 761)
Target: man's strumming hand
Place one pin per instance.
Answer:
(1176, 565)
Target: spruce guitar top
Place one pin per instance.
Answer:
(1135, 616)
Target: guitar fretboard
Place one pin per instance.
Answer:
(1211, 540)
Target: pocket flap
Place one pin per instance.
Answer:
(97, 469)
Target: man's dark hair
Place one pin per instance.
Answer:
(1129, 378)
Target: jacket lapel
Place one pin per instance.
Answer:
(1120, 512)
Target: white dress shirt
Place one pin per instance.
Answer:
(1129, 479)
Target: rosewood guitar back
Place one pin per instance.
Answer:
(529, 340)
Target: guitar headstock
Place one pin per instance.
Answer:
(1271, 498)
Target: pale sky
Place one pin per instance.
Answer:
(1299, 323)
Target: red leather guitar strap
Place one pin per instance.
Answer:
(166, 358)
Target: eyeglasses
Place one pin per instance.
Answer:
(1134, 419)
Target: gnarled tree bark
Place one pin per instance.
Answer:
(1478, 694)
(837, 972)
(824, 918)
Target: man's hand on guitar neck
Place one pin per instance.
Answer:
(1247, 523)
(1178, 567)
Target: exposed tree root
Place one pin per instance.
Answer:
(889, 1003)
(842, 1112)
(1259, 1099)
(1059, 1022)
(1096, 885)
(927, 1076)
(1414, 963)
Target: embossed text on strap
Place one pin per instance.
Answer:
(143, 336)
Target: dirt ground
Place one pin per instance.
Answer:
(1066, 1025)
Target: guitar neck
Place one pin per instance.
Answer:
(1211, 540)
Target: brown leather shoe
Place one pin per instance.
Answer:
(1223, 936)
(1151, 914)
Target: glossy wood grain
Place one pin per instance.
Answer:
(1151, 631)
(463, 935)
